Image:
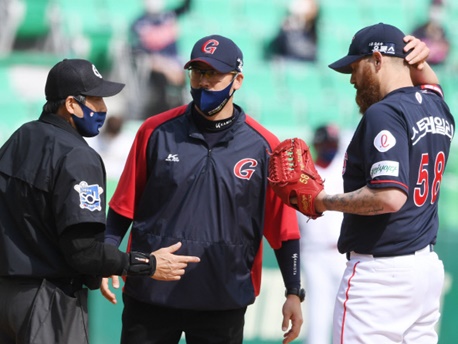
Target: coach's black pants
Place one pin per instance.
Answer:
(35, 311)
(148, 324)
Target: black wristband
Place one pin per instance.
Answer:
(299, 292)
(140, 264)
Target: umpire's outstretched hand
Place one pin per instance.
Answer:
(169, 267)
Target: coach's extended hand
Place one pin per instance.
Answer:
(292, 312)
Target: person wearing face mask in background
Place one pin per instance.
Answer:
(52, 215)
(198, 173)
(322, 264)
(157, 62)
(297, 38)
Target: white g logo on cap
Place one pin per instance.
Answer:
(96, 72)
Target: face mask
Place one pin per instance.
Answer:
(211, 102)
(92, 121)
(328, 154)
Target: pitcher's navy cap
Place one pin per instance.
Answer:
(73, 77)
(387, 39)
(219, 52)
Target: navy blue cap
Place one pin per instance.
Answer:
(74, 77)
(219, 52)
(387, 39)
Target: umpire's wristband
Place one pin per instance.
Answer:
(140, 264)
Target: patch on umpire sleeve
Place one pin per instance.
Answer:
(385, 168)
(89, 196)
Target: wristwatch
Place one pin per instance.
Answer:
(295, 291)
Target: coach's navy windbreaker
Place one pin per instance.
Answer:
(217, 202)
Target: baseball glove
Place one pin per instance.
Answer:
(292, 173)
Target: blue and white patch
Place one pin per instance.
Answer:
(89, 196)
(385, 168)
(384, 141)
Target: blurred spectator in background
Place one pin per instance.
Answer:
(297, 37)
(322, 263)
(433, 34)
(154, 38)
(11, 14)
(113, 144)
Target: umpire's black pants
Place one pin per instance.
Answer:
(35, 311)
(148, 324)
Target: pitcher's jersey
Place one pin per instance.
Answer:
(401, 142)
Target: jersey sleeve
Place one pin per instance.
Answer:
(386, 148)
(280, 220)
(79, 189)
(433, 88)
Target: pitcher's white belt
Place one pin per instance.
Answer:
(425, 250)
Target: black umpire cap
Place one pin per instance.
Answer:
(72, 77)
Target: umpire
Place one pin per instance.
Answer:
(52, 215)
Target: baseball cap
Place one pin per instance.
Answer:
(325, 134)
(219, 52)
(78, 77)
(385, 38)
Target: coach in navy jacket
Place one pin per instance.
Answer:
(197, 174)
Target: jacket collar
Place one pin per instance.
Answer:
(59, 122)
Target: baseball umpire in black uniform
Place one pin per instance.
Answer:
(52, 215)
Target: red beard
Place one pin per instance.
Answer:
(367, 91)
